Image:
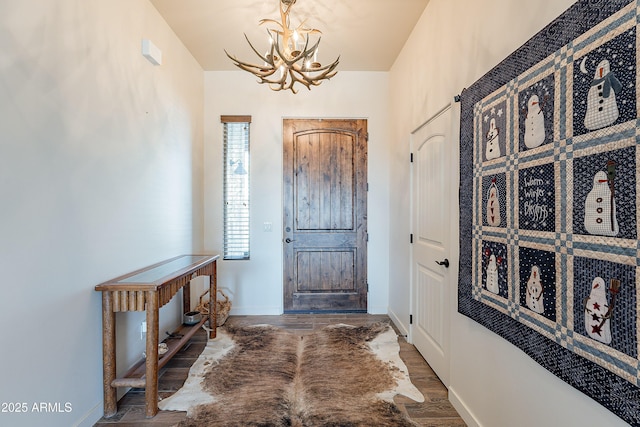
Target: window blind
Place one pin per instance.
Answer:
(236, 187)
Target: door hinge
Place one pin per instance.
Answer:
(411, 319)
(367, 286)
(411, 158)
(367, 186)
(367, 237)
(411, 238)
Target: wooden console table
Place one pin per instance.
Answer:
(149, 289)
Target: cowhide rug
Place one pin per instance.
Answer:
(264, 376)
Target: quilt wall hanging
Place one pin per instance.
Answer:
(549, 196)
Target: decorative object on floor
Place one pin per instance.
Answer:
(555, 267)
(162, 349)
(262, 375)
(291, 57)
(223, 307)
(192, 318)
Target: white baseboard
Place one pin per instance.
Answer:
(404, 330)
(91, 417)
(275, 311)
(462, 409)
(256, 311)
(377, 310)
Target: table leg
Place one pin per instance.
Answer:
(186, 298)
(109, 355)
(151, 363)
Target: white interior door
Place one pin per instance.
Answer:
(431, 216)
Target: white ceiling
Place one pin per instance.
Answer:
(366, 34)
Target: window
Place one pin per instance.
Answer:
(236, 186)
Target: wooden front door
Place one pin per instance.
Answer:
(325, 215)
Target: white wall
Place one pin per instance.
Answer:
(255, 286)
(100, 174)
(493, 383)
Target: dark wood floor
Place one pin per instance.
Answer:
(436, 411)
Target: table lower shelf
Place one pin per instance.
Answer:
(135, 376)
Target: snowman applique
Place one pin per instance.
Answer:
(493, 205)
(492, 275)
(602, 107)
(600, 208)
(535, 291)
(597, 313)
(534, 133)
(493, 141)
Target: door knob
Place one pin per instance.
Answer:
(288, 240)
(444, 262)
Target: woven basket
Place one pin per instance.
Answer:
(223, 307)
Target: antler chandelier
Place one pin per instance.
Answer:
(290, 59)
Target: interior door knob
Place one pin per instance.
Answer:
(288, 240)
(444, 262)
